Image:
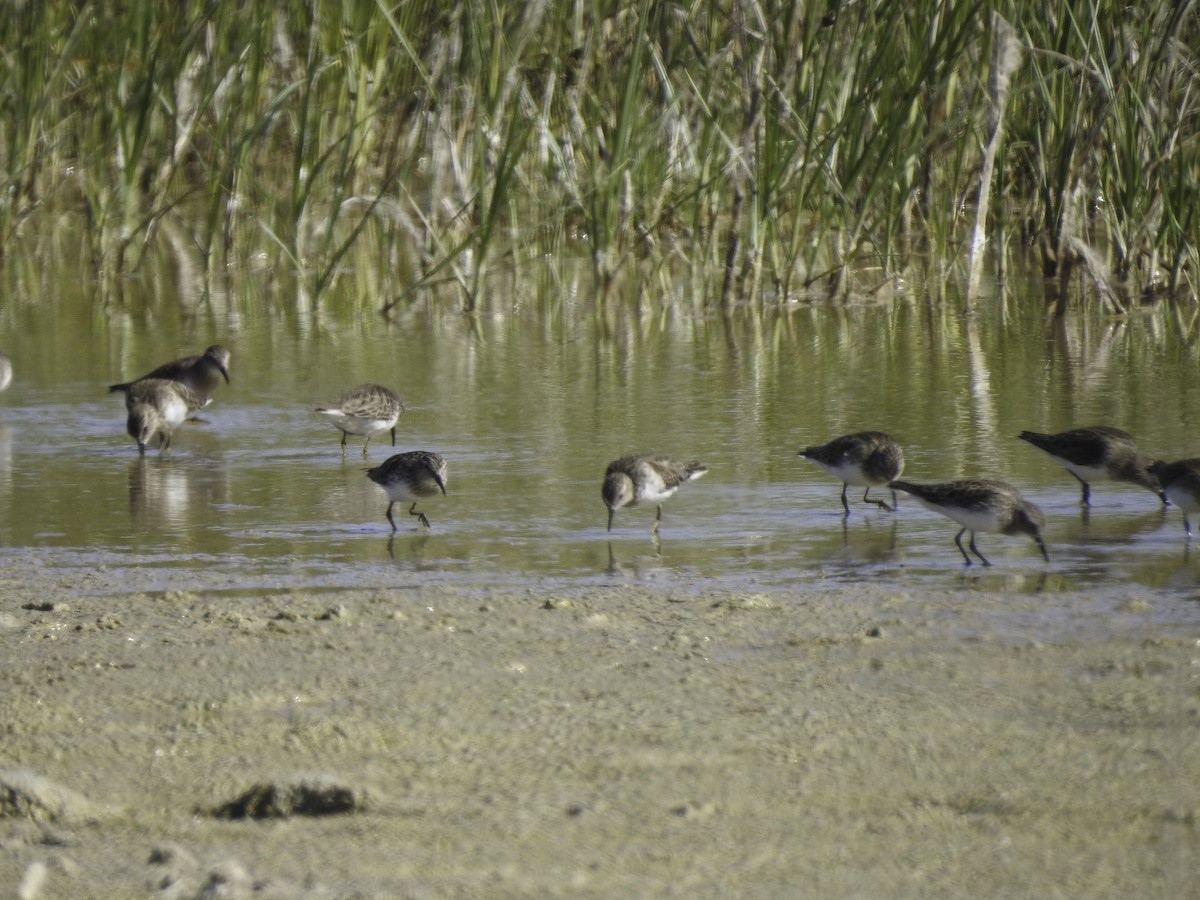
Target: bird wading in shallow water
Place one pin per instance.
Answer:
(979, 504)
(645, 478)
(416, 475)
(365, 410)
(156, 407)
(1181, 485)
(864, 459)
(202, 374)
(1098, 453)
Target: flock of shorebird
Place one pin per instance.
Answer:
(872, 459)
(161, 400)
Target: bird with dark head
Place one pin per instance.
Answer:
(1097, 453)
(1181, 485)
(864, 459)
(416, 475)
(980, 504)
(202, 374)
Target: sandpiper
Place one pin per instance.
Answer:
(201, 374)
(979, 504)
(366, 410)
(157, 406)
(1181, 485)
(645, 478)
(865, 459)
(5, 371)
(413, 476)
(1098, 453)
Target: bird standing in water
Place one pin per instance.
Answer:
(1098, 453)
(645, 478)
(864, 459)
(415, 475)
(365, 410)
(979, 504)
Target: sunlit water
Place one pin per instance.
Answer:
(528, 402)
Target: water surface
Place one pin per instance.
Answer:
(531, 397)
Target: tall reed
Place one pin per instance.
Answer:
(771, 146)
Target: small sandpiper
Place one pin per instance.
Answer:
(157, 406)
(414, 476)
(202, 374)
(1098, 453)
(645, 478)
(5, 371)
(979, 504)
(365, 410)
(1181, 485)
(864, 459)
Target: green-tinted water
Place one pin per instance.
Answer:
(529, 400)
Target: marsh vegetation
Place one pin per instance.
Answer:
(772, 148)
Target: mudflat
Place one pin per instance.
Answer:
(636, 741)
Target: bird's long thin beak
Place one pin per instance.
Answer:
(441, 484)
(1042, 546)
(224, 372)
(610, 518)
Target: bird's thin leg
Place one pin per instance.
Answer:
(958, 540)
(412, 511)
(365, 444)
(1086, 498)
(1042, 546)
(393, 435)
(657, 519)
(878, 503)
(895, 504)
(845, 505)
(975, 550)
(389, 517)
(1187, 526)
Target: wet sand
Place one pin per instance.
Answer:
(630, 742)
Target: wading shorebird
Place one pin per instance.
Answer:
(365, 410)
(864, 459)
(645, 478)
(202, 374)
(1181, 485)
(1098, 453)
(416, 475)
(979, 504)
(156, 407)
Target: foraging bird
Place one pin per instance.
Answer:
(365, 410)
(979, 504)
(5, 371)
(865, 459)
(201, 374)
(1098, 453)
(156, 407)
(645, 478)
(1181, 485)
(410, 476)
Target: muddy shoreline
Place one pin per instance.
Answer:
(854, 741)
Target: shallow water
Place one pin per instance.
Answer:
(531, 398)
